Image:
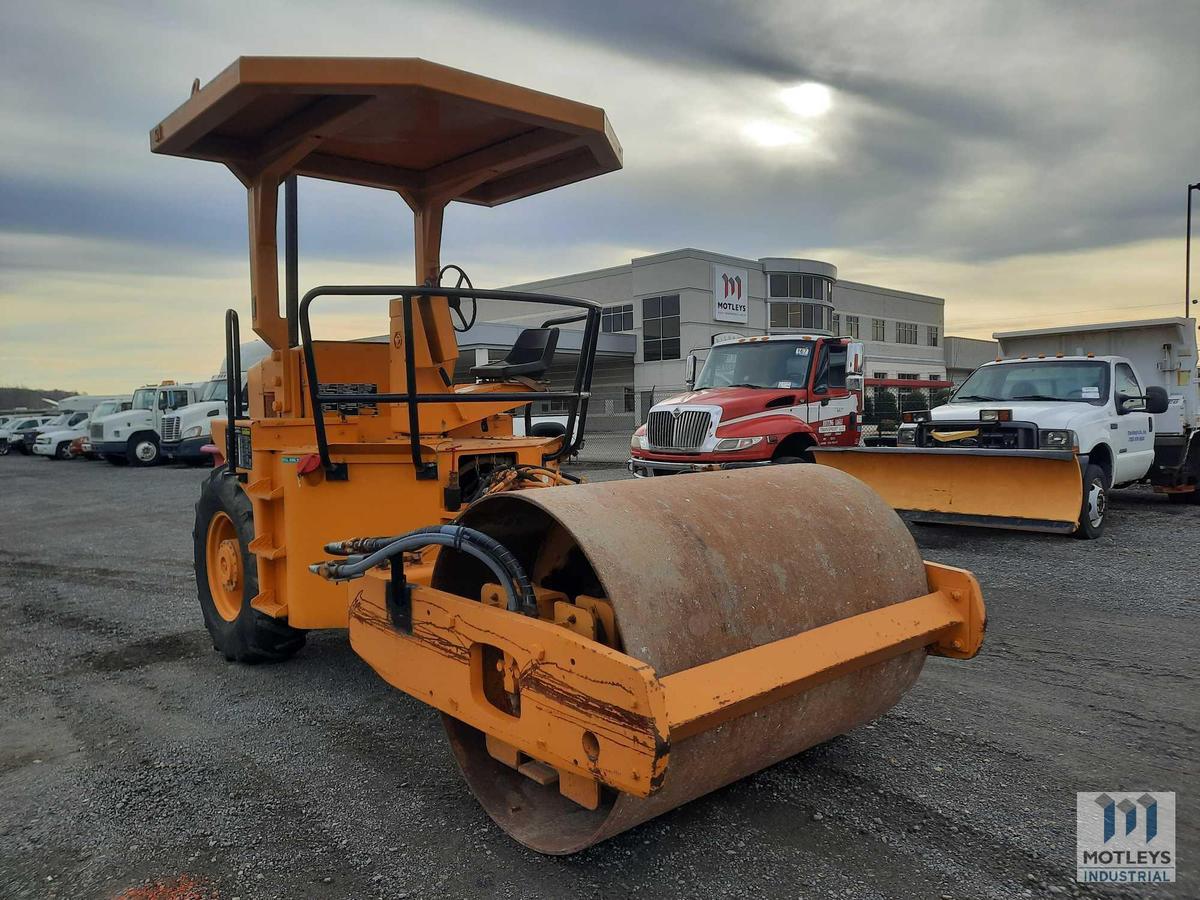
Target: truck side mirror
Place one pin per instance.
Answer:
(1157, 400)
(689, 369)
(855, 383)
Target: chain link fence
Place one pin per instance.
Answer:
(884, 408)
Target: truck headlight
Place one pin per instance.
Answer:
(725, 445)
(638, 441)
(193, 431)
(1057, 439)
(906, 436)
(43, 440)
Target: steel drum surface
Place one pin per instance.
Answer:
(699, 567)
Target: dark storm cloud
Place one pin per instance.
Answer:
(787, 42)
(968, 131)
(1097, 102)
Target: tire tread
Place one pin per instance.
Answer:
(253, 637)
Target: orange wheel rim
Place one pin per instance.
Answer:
(223, 560)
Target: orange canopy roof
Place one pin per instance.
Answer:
(410, 125)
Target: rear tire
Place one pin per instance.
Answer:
(143, 450)
(1093, 512)
(227, 577)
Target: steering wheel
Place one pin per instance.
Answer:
(456, 302)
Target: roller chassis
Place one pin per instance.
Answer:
(341, 442)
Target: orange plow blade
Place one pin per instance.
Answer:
(1029, 490)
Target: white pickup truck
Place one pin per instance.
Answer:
(1123, 396)
(58, 441)
(133, 436)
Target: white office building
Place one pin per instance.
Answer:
(660, 308)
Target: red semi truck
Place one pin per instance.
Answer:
(758, 401)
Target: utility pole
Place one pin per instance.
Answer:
(1187, 273)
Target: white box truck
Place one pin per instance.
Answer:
(1159, 353)
(1118, 403)
(133, 437)
(189, 429)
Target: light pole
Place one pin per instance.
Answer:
(1187, 274)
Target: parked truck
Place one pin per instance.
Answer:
(62, 439)
(1037, 438)
(188, 429)
(134, 436)
(757, 401)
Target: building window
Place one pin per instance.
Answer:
(909, 376)
(852, 326)
(616, 318)
(837, 323)
(556, 405)
(629, 399)
(882, 376)
(906, 332)
(812, 316)
(932, 335)
(878, 332)
(801, 287)
(660, 328)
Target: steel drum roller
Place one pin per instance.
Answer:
(698, 568)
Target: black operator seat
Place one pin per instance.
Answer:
(529, 357)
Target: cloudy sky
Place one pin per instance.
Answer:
(1026, 161)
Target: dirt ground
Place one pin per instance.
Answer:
(136, 762)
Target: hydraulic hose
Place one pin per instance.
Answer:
(363, 554)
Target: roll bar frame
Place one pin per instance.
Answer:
(578, 397)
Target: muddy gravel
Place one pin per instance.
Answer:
(136, 762)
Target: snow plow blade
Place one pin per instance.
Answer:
(1028, 490)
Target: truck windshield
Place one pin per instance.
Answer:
(215, 390)
(1066, 381)
(143, 398)
(758, 364)
(103, 409)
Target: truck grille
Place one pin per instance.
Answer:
(170, 428)
(988, 436)
(683, 432)
(97, 432)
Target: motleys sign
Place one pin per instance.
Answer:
(1125, 836)
(731, 294)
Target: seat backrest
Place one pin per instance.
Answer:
(533, 345)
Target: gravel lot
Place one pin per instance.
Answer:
(135, 762)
